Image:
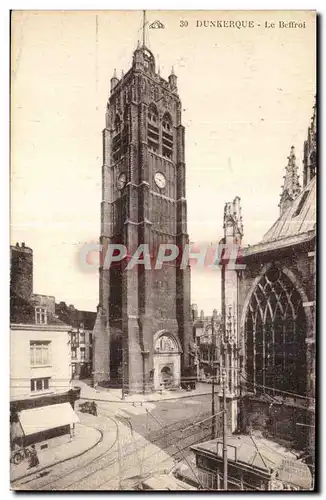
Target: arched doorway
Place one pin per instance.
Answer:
(166, 377)
(166, 360)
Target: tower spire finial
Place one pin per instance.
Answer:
(291, 187)
(114, 79)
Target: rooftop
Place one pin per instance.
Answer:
(295, 225)
(255, 451)
(299, 218)
(75, 317)
(22, 311)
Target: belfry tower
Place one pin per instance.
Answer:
(143, 329)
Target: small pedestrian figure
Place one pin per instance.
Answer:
(33, 460)
(94, 408)
(72, 430)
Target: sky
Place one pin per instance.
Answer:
(247, 97)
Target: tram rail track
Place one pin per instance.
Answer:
(154, 437)
(71, 471)
(127, 455)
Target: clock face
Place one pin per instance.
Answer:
(121, 182)
(160, 180)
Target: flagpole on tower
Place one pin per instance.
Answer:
(144, 23)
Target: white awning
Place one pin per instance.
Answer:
(47, 417)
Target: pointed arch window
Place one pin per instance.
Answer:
(167, 136)
(117, 124)
(275, 335)
(152, 129)
(313, 163)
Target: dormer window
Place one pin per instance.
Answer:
(301, 204)
(40, 315)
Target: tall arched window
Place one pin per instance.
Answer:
(152, 128)
(116, 142)
(117, 124)
(125, 132)
(167, 136)
(275, 335)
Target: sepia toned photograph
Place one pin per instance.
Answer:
(163, 169)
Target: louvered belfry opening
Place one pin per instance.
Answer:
(167, 137)
(125, 133)
(153, 136)
(116, 141)
(275, 333)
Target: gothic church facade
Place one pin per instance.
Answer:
(268, 346)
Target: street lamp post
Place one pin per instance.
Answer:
(123, 374)
(213, 393)
(145, 354)
(212, 352)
